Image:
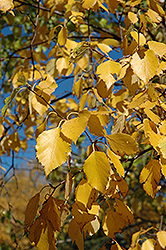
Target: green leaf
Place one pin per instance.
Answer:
(9, 99)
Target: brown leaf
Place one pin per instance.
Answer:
(31, 210)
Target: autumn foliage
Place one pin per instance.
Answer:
(106, 132)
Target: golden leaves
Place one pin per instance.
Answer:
(150, 177)
(145, 67)
(52, 149)
(114, 222)
(97, 170)
(41, 231)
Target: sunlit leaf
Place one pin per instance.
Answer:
(157, 47)
(145, 68)
(85, 194)
(161, 236)
(62, 36)
(106, 70)
(116, 162)
(133, 17)
(92, 227)
(138, 37)
(97, 169)
(148, 244)
(52, 149)
(6, 5)
(73, 128)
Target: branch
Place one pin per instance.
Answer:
(136, 157)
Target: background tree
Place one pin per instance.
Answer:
(83, 83)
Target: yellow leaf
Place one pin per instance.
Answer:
(134, 2)
(78, 87)
(91, 227)
(95, 127)
(157, 47)
(83, 101)
(161, 236)
(150, 177)
(105, 71)
(31, 210)
(6, 5)
(75, 127)
(148, 244)
(145, 68)
(162, 127)
(40, 101)
(62, 64)
(116, 162)
(62, 36)
(75, 234)
(88, 4)
(68, 185)
(141, 40)
(133, 17)
(135, 238)
(52, 149)
(104, 48)
(110, 41)
(122, 144)
(154, 16)
(151, 133)
(156, 7)
(113, 223)
(97, 170)
(85, 194)
(124, 211)
(155, 118)
(162, 146)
